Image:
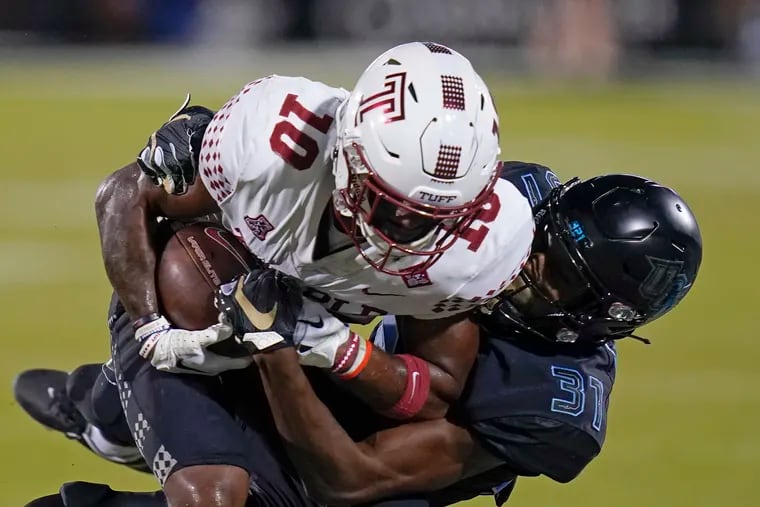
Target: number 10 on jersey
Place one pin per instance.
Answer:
(292, 144)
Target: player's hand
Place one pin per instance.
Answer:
(182, 351)
(170, 158)
(318, 336)
(262, 308)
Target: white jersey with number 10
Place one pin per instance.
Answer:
(267, 160)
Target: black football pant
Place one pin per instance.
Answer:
(183, 420)
(178, 421)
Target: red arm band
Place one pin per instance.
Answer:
(416, 391)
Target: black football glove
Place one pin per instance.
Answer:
(262, 307)
(170, 157)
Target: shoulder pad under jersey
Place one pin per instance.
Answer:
(534, 181)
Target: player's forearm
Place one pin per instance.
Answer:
(386, 381)
(125, 224)
(327, 459)
(411, 457)
(423, 382)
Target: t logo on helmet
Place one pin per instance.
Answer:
(391, 99)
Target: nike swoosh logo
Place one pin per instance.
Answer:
(319, 323)
(366, 291)
(415, 376)
(260, 320)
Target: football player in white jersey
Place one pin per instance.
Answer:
(404, 167)
(383, 200)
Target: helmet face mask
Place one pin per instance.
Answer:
(577, 312)
(385, 225)
(594, 283)
(415, 156)
(396, 223)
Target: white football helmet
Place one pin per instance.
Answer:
(416, 154)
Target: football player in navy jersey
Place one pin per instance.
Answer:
(611, 254)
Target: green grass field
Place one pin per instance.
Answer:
(683, 423)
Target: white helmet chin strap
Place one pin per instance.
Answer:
(340, 204)
(340, 168)
(340, 173)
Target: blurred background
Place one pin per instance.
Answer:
(668, 89)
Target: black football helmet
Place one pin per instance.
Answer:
(627, 248)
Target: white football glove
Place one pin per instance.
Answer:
(182, 351)
(317, 336)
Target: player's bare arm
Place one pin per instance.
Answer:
(126, 206)
(416, 456)
(423, 382)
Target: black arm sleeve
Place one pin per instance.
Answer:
(532, 445)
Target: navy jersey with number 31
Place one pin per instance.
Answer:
(539, 407)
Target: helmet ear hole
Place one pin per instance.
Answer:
(412, 92)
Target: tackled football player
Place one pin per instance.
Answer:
(611, 254)
(384, 200)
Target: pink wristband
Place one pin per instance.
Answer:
(417, 388)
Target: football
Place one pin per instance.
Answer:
(194, 261)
